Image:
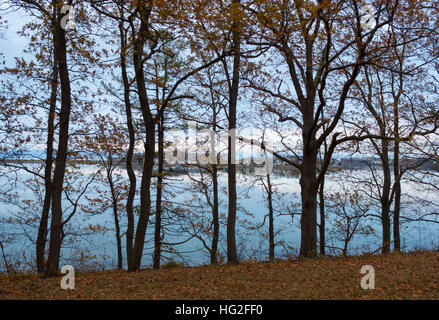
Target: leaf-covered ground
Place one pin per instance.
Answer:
(397, 276)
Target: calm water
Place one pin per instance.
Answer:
(96, 249)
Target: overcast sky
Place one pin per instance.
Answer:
(13, 45)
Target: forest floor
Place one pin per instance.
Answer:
(397, 276)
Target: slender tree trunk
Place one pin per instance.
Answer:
(42, 229)
(130, 152)
(61, 156)
(148, 163)
(396, 214)
(345, 246)
(116, 221)
(386, 229)
(145, 199)
(4, 258)
(385, 198)
(215, 216)
(232, 257)
(322, 217)
(270, 220)
(397, 183)
(158, 214)
(215, 212)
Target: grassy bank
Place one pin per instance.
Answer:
(397, 276)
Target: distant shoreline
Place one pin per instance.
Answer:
(353, 164)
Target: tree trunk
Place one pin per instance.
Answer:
(385, 198)
(386, 229)
(148, 162)
(145, 199)
(345, 246)
(215, 217)
(322, 217)
(116, 220)
(270, 220)
(308, 221)
(4, 258)
(232, 257)
(158, 210)
(308, 184)
(130, 152)
(61, 155)
(215, 212)
(397, 182)
(396, 214)
(42, 229)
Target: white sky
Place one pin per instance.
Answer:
(13, 45)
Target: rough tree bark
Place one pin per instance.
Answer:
(158, 209)
(149, 145)
(215, 213)
(61, 155)
(42, 228)
(385, 197)
(270, 220)
(130, 152)
(232, 257)
(215, 217)
(322, 225)
(116, 219)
